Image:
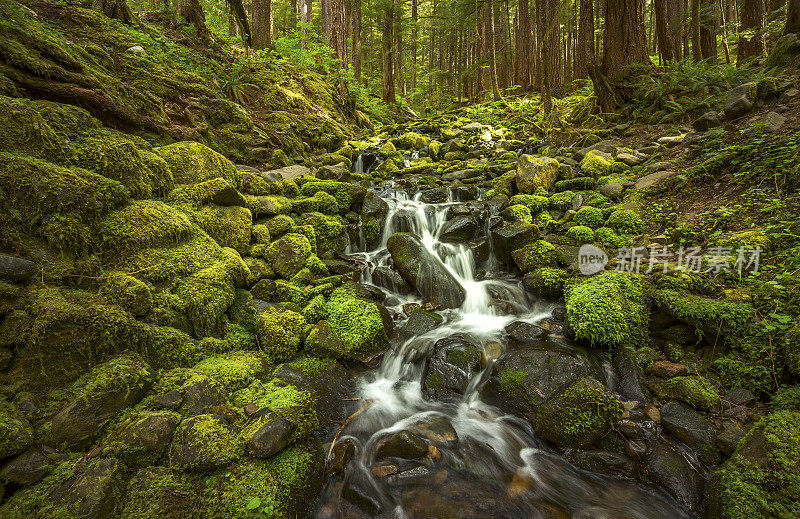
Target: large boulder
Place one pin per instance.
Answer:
(142, 438)
(355, 328)
(670, 468)
(740, 100)
(204, 442)
(16, 269)
(508, 238)
(579, 414)
(533, 172)
(425, 271)
(99, 396)
(280, 332)
(373, 216)
(454, 362)
(16, 434)
(459, 229)
(288, 254)
(689, 426)
(521, 380)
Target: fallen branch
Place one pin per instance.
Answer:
(349, 419)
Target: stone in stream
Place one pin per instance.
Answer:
(454, 362)
(510, 237)
(403, 444)
(629, 374)
(459, 229)
(666, 466)
(522, 332)
(420, 322)
(268, 434)
(689, 426)
(391, 279)
(603, 462)
(373, 216)
(424, 271)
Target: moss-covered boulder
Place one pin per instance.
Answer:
(713, 317)
(534, 203)
(142, 438)
(625, 221)
(16, 434)
(597, 164)
(535, 255)
(235, 370)
(204, 442)
(762, 478)
(143, 224)
(590, 217)
(534, 172)
(329, 233)
(129, 293)
(694, 390)
(345, 193)
(355, 328)
(578, 415)
(607, 309)
(288, 254)
(229, 226)
(98, 397)
(280, 332)
(192, 163)
(208, 294)
(545, 281)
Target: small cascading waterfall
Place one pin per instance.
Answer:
(495, 442)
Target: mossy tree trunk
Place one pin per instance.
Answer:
(355, 14)
(241, 16)
(117, 9)
(492, 53)
(708, 30)
(262, 24)
(388, 53)
(584, 53)
(192, 12)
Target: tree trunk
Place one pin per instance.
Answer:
(549, 48)
(398, 54)
(414, 36)
(388, 54)
(192, 12)
(117, 9)
(356, 15)
(750, 45)
(262, 24)
(492, 54)
(338, 30)
(524, 49)
(625, 44)
(697, 54)
(792, 17)
(584, 54)
(241, 16)
(708, 30)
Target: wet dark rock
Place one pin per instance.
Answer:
(28, 405)
(360, 490)
(436, 430)
(94, 493)
(463, 193)
(522, 332)
(520, 380)
(687, 425)
(15, 269)
(459, 229)
(739, 396)
(29, 467)
(458, 210)
(203, 442)
(370, 293)
(668, 467)
(727, 440)
(418, 476)
(264, 290)
(403, 444)
(481, 249)
(272, 435)
(201, 396)
(341, 454)
(603, 462)
(510, 237)
(420, 322)
(374, 209)
(424, 271)
(391, 279)
(148, 437)
(629, 375)
(497, 203)
(461, 175)
(454, 362)
(434, 196)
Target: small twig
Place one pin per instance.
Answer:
(349, 419)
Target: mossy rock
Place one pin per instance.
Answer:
(546, 281)
(328, 231)
(192, 163)
(579, 414)
(535, 255)
(355, 328)
(534, 203)
(597, 164)
(762, 478)
(229, 226)
(208, 294)
(159, 492)
(204, 442)
(589, 216)
(695, 391)
(580, 234)
(129, 293)
(144, 224)
(792, 349)
(141, 438)
(235, 370)
(713, 317)
(345, 193)
(280, 333)
(16, 434)
(288, 254)
(625, 221)
(534, 172)
(608, 308)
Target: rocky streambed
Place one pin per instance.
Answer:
(396, 329)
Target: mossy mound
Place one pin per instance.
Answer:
(609, 308)
(280, 333)
(192, 163)
(546, 281)
(713, 317)
(535, 255)
(144, 224)
(762, 478)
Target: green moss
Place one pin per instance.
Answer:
(511, 379)
(533, 172)
(580, 234)
(130, 441)
(279, 225)
(346, 194)
(192, 163)
(792, 349)
(561, 201)
(575, 184)
(694, 390)
(143, 224)
(158, 492)
(609, 236)
(321, 202)
(608, 309)
(625, 221)
(235, 370)
(280, 333)
(518, 213)
(588, 216)
(762, 478)
(328, 231)
(578, 415)
(288, 254)
(208, 440)
(229, 226)
(713, 317)
(535, 255)
(315, 310)
(16, 434)
(129, 293)
(208, 294)
(534, 203)
(787, 398)
(596, 165)
(546, 281)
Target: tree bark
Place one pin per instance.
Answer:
(584, 54)
(117, 9)
(241, 16)
(388, 53)
(398, 54)
(192, 12)
(708, 30)
(750, 20)
(492, 54)
(414, 36)
(697, 54)
(262, 24)
(524, 49)
(792, 17)
(338, 30)
(355, 12)
(549, 48)
(625, 44)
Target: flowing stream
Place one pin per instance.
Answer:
(495, 466)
